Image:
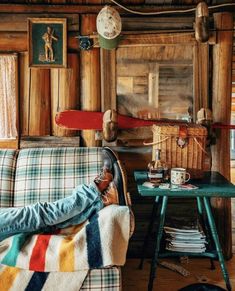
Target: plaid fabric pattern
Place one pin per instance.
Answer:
(7, 175)
(103, 279)
(48, 174)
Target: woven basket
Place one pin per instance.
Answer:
(190, 155)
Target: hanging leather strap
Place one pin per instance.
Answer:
(183, 131)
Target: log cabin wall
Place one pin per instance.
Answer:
(89, 79)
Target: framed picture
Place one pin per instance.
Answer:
(47, 42)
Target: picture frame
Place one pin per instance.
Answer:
(47, 42)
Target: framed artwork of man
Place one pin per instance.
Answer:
(47, 42)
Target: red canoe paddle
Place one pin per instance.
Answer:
(80, 120)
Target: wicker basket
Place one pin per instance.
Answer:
(181, 146)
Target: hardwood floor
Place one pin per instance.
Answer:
(167, 280)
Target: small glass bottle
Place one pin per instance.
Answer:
(156, 169)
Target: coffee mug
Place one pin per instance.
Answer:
(178, 176)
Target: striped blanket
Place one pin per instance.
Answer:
(15, 279)
(100, 242)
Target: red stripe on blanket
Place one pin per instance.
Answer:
(37, 260)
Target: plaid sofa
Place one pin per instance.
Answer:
(47, 174)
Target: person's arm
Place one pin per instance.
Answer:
(55, 38)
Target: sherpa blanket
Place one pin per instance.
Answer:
(100, 242)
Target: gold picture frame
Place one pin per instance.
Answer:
(47, 42)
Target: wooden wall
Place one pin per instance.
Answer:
(133, 2)
(221, 93)
(86, 82)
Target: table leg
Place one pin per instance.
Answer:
(158, 241)
(199, 206)
(200, 211)
(216, 241)
(150, 227)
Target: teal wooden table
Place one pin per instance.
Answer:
(212, 185)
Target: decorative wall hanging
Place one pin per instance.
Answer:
(47, 42)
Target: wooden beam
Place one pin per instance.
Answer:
(147, 39)
(49, 141)
(201, 76)
(221, 106)
(90, 79)
(9, 143)
(18, 22)
(137, 5)
(108, 79)
(18, 42)
(81, 9)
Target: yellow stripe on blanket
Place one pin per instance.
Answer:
(67, 259)
(7, 278)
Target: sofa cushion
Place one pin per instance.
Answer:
(48, 174)
(7, 175)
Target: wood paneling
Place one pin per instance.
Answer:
(222, 69)
(203, 55)
(90, 79)
(124, 2)
(18, 42)
(64, 92)
(18, 22)
(39, 109)
(157, 53)
(153, 39)
(34, 99)
(73, 8)
(108, 79)
(49, 141)
(157, 23)
(142, 40)
(43, 93)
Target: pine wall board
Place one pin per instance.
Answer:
(90, 79)
(65, 95)
(18, 22)
(44, 92)
(34, 99)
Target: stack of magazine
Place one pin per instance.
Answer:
(184, 236)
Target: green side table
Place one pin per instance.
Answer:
(212, 185)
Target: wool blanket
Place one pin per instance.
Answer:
(101, 241)
(15, 279)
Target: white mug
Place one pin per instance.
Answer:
(178, 176)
